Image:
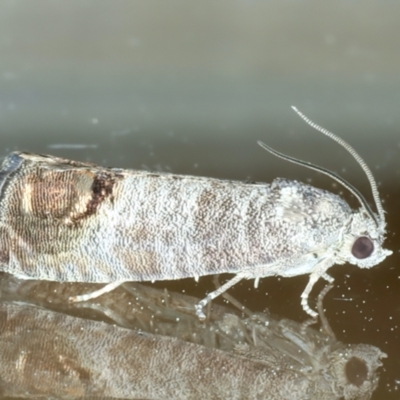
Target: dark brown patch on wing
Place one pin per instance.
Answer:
(102, 188)
(69, 196)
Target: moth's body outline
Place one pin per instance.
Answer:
(69, 221)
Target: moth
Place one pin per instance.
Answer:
(70, 221)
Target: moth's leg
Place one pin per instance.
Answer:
(327, 277)
(304, 296)
(96, 293)
(320, 307)
(199, 307)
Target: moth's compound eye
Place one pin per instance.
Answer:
(356, 371)
(362, 247)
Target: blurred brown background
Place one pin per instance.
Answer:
(189, 87)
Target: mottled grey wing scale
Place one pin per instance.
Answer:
(71, 221)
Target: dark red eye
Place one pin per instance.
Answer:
(362, 247)
(356, 371)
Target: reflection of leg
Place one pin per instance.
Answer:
(320, 307)
(96, 293)
(231, 299)
(199, 307)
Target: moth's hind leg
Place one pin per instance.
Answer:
(231, 299)
(211, 296)
(87, 296)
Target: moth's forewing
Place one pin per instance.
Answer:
(49, 208)
(68, 221)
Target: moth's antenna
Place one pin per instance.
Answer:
(325, 171)
(360, 161)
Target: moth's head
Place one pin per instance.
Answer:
(363, 241)
(364, 235)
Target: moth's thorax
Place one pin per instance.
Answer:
(306, 201)
(315, 216)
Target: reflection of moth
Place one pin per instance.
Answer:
(55, 355)
(63, 220)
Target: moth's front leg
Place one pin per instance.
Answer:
(319, 273)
